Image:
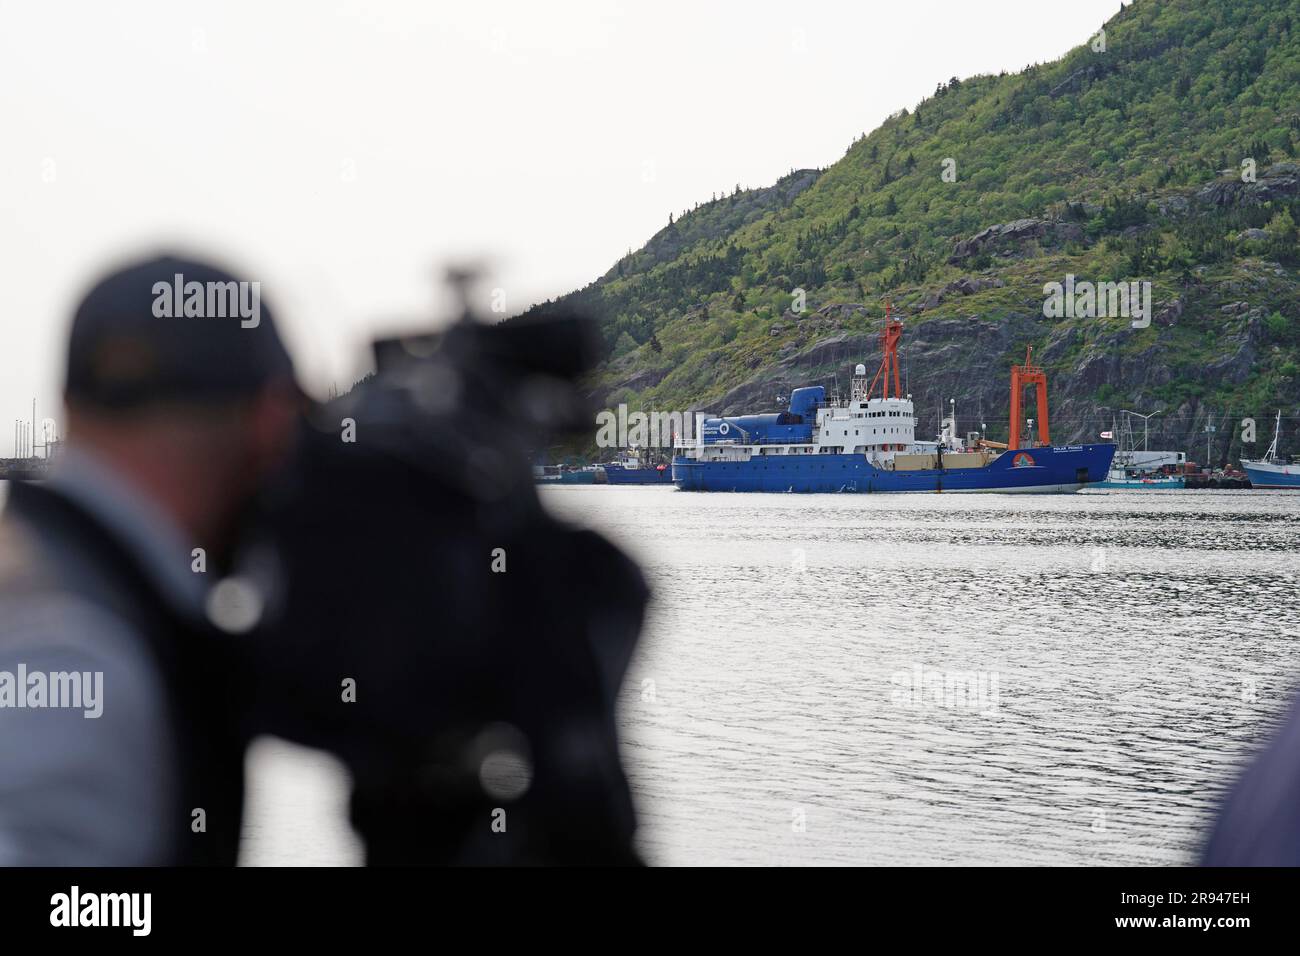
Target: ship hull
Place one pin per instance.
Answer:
(1267, 475)
(568, 478)
(1056, 470)
(1175, 483)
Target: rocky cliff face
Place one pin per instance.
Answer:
(1012, 235)
(1281, 181)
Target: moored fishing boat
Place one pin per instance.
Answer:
(1122, 479)
(632, 469)
(558, 475)
(1272, 471)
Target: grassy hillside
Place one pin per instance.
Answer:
(1114, 164)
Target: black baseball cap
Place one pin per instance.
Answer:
(172, 330)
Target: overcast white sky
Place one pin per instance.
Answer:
(339, 152)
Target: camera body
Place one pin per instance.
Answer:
(431, 624)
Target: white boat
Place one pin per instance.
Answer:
(1271, 471)
(1122, 478)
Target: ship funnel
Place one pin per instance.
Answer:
(804, 401)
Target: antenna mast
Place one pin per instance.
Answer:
(1271, 454)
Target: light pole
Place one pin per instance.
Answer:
(1146, 423)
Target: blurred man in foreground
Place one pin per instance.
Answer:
(1259, 824)
(119, 705)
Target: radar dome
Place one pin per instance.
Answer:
(860, 370)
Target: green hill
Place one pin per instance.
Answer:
(1124, 161)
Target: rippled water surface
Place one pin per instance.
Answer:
(1128, 651)
(800, 695)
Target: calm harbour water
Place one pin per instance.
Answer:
(1130, 649)
(1142, 643)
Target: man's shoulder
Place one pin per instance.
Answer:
(25, 565)
(40, 603)
(52, 562)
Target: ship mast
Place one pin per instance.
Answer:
(1271, 454)
(889, 337)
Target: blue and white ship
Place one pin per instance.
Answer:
(1272, 471)
(869, 445)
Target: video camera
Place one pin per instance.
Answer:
(431, 624)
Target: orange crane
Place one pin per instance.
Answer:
(1021, 376)
(889, 339)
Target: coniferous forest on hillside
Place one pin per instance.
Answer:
(1163, 149)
